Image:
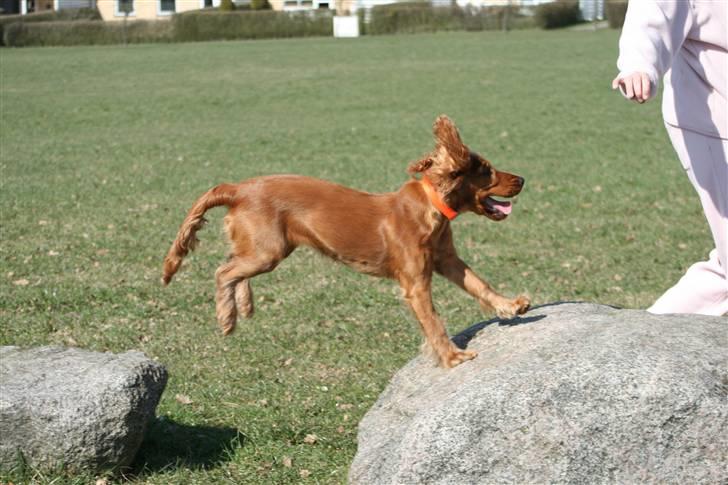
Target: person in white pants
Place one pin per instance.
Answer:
(687, 42)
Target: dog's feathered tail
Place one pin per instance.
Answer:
(186, 241)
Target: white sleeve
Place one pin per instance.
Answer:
(652, 34)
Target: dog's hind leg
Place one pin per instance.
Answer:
(244, 298)
(233, 288)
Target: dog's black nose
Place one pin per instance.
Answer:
(521, 181)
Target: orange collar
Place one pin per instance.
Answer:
(436, 200)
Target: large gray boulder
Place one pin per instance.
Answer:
(75, 408)
(569, 393)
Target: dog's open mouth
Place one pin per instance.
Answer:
(497, 208)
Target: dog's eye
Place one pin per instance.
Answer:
(455, 174)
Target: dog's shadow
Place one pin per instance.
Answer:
(169, 445)
(462, 339)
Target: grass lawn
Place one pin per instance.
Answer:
(104, 150)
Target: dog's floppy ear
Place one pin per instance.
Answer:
(447, 136)
(419, 166)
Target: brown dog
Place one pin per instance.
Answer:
(403, 235)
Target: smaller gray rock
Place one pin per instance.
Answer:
(75, 408)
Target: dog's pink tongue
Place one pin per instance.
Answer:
(504, 207)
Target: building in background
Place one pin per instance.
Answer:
(110, 9)
(152, 9)
(29, 6)
(149, 9)
(160, 9)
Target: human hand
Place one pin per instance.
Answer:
(635, 86)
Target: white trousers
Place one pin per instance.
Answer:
(704, 287)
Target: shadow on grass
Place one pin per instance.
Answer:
(169, 446)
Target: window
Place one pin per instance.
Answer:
(124, 7)
(291, 5)
(166, 7)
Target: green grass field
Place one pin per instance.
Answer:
(105, 149)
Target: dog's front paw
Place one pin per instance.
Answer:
(457, 357)
(523, 304)
(511, 308)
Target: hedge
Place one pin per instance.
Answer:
(227, 5)
(191, 26)
(259, 5)
(212, 25)
(48, 16)
(616, 10)
(85, 32)
(410, 18)
(423, 17)
(203, 25)
(561, 13)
